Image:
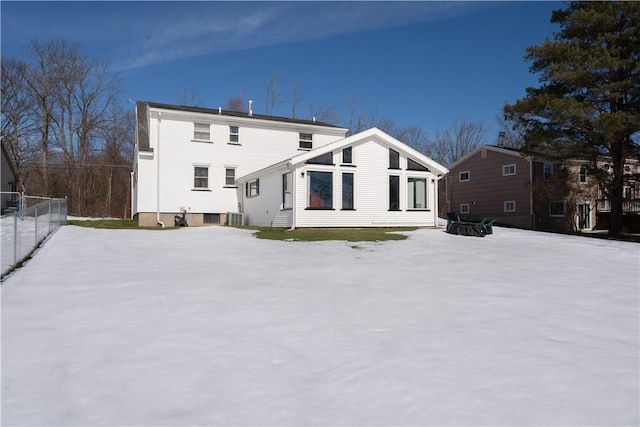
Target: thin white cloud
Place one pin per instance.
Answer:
(212, 27)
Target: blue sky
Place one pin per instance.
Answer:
(419, 63)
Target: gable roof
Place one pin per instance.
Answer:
(373, 133)
(221, 112)
(503, 150)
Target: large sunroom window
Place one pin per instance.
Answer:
(320, 190)
(417, 193)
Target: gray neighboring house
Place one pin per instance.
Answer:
(8, 181)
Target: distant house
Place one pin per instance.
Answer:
(8, 181)
(520, 191)
(274, 171)
(8, 173)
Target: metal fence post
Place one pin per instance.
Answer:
(36, 222)
(15, 238)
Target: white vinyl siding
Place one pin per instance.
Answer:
(262, 145)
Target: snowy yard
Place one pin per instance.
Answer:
(210, 326)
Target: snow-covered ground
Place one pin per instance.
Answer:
(210, 326)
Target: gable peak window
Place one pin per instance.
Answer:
(306, 141)
(394, 159)
(464, 176)
(412, 165)
(322, 159)
(347, 155)
(202, 131)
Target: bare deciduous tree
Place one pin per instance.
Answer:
(189, 97)
(237, 104)
(296, 100)
(458, 140)
(272, 96)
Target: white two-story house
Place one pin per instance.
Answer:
(274, 171)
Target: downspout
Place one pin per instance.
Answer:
(293, 197)
(158, 175)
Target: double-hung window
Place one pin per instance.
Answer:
(230, 176)
(582, 176)
(306, 141)
(234, 134)
(202, 131)
(201, 177)
(547, 170)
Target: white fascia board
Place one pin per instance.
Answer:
(380, 136)
(490, 148)
(247, 121)
(283, 165)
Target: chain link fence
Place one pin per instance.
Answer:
(25, 222)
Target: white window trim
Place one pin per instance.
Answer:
(464, 208)
(194, 132)
(352, 162)
(426, 190)
(237, 134)
(510, 210)
(504, 167)
(235, 169)
(193, 183)
(464, 180)
(301, 140)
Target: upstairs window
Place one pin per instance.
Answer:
(508, 170)
(306, 141)
(547, 170)
(582, 176)
(464, 176)
(202, 131)
(234, 134)
(347, 155)
(394, 159)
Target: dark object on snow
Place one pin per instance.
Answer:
(180, 220)
(466, 228)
